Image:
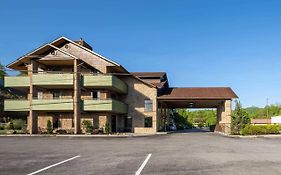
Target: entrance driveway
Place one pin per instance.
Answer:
(178, 153)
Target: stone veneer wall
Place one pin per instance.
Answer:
(224, 117)
(137, 93)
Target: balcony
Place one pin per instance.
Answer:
(16, 81)
(41, 79)
(109, 82)
(49, 79)
(108, 105)
(39, 105)
(16, 105)
(52, 104)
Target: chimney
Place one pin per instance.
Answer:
(84, 44)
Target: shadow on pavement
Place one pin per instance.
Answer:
(205, 129)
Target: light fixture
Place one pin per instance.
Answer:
(191, 104)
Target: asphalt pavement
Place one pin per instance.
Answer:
(178, 153)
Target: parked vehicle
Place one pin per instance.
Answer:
(172, 127)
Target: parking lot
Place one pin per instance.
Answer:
(178, 153)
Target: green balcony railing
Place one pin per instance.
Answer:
(44, 79)
(16, 105)
(108, 105)
(52, 104)
(49, 79)
(16, 81)
(105, 82)
(39, 105)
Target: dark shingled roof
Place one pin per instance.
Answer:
(148, 74)
(199, 93)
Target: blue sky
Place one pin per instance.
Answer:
(234, 43)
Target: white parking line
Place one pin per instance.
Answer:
(48, 167)
(143, 164)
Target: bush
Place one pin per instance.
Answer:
(18, 124)
(2, 127)
(49, 127)
(260, 129)
(201, 125)
(10, 126)
(60, 131)
(87, 125)
(106, 128)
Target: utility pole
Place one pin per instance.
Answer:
(267, 107)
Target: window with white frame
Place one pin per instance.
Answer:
(40, 95)
(148, 107)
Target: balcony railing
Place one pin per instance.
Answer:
(108, 105)
(16, 105)
(93, 105)
(52, 104)
(51, 79)
(109, 82)
(39, 105)
(16, 81)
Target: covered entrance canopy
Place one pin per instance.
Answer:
(207, 97)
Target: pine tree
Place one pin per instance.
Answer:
(239, 118)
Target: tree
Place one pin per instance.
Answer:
(181, 119)
(2, 72)
(239, 118)
(49, 127)
(106, 128)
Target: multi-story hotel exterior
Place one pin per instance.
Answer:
(67, 83)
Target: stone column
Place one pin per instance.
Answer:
(224, 117)
(77, 98)
(32, 118)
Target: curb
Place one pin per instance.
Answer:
(250, 136)
(85, 136)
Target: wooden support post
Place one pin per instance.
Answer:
(77, 98)
(32, 118)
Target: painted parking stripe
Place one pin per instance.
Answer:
(143, 164)
(48, 167)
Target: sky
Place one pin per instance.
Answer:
(199, 43)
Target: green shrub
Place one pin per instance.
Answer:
(2, 127)
(201, 125)
(49, 127)
(106, 128)
(260, 129)
(87, 125)
(10, 126)
(18, 124)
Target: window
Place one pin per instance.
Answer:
(66, 46)
(148, 122)
(148, 105)
(40, 95)
(95, 94)
(56, 94)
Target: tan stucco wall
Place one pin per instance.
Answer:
(138, 92)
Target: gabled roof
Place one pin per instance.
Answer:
(149, 74)
(198, 93)
(46, 46)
